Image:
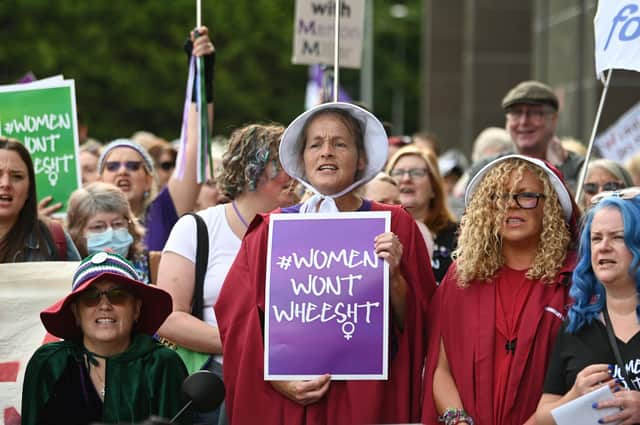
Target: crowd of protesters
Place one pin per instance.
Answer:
(490, 268)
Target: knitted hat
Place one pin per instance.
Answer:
(126, 143)
(555, 177)
(156, 303)
(531, 92)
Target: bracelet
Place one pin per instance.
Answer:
(453, 416)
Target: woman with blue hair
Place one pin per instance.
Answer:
(600, 343)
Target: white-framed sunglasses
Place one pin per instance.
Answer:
(626, 193)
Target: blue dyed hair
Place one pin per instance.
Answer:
(587, 292)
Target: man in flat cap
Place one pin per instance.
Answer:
(531, 110)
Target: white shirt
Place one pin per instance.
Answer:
(223, 247)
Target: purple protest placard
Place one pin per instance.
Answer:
(326, 297)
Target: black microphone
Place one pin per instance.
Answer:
(205, 391)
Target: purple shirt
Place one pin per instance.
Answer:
(159, 220)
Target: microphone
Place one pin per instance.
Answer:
(205, 391)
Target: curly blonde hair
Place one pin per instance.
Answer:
(479, 252)
(250, 150)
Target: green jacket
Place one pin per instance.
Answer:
(145, 380)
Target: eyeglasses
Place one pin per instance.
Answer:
(593, 188)
(114, 166)
(167, 165)
(525, 200)
(413, 173)
(102, 226)
(533, 113)
(628, 193)
(116, 296)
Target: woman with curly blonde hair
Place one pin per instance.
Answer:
(503, 299)
(422, 193)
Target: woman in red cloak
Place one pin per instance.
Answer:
(502, 302)
(332, 150)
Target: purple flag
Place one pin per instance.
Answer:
(320, 87)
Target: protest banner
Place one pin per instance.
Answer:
(25, 290)
(622, 139)
(326, 301)
(42, 115)
(313, 34)
(617, 29)
(617, 32)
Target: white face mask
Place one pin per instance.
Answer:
(118, 241)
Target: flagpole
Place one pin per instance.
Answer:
(583, 172)
(336, 51)
(204, 158)
(198, 13)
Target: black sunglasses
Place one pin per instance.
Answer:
(116, 296)
(167, 165)
(114, 166)
(593, 188)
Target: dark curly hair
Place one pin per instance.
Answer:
(250, 149)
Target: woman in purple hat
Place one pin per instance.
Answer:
(108, 368)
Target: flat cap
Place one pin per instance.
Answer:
(531, 92)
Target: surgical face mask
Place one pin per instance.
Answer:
(118, 241)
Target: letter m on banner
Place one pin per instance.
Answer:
(617, 35)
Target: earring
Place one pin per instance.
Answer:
(145, 195)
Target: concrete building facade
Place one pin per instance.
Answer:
(474, 51)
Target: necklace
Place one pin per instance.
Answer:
(96, 371)
(100, 381)
(235, 208)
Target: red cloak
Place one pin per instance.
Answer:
(239, 311)
(465, 320)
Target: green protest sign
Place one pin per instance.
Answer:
(42, 115)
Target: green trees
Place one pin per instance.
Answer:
(130, 70)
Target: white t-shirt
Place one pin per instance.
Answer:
(223, 247)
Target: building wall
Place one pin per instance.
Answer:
(475, 50)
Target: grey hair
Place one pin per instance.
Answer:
(100, 197)
(613, 168)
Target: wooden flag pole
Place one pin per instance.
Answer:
(583, 172)
(336, 51)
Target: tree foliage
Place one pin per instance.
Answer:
(130, 69)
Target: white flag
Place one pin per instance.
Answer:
(617, 35)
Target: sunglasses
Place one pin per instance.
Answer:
(116, 296)
(628, 193)
(525, 200)
(413, 173)
(167, 165)
(593, 188)
(114, 166)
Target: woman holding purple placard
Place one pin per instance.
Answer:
(332, 150)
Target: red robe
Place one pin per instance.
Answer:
(240, 307)
(465, 320)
